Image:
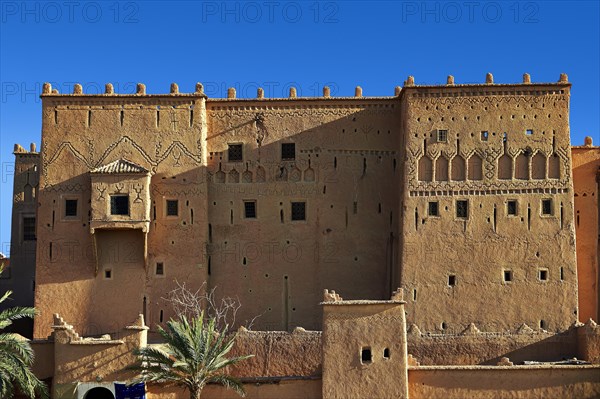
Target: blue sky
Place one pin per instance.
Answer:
(276, 44)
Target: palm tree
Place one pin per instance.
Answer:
(16, 356)
(193, 355)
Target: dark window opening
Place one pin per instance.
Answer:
(288, 151)
(543, 324)
(562, 273)
(547, 207)
(250, 209)
(235, 152)
(442, 136)
(386, 353)
(161, 316)
(511, 208)
(451, 280)
(434, 209)
(29, 229)
(298, 210)
(172, 207)
(71, 207)
(119, 204)
(108, 274)
(508, 276)
(366, 356)
(160, 269)
(543, 275)
(462, 209)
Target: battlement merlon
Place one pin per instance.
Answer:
(19, 150)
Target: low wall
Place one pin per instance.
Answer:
(488, 382)
(43, 366)
(283, 389)
(487, 348)
(278, 353)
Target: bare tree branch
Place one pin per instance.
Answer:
(191, 303)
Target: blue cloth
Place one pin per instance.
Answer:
(137, 391)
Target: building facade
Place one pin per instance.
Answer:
(460, 194)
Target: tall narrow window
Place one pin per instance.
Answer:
(172, 207)
(462, 209)
(235, 153)
(508, 276)
(70, 207)
(119, 204)
(29, 229)
(250, 209)
(511, 208)
(546, 207)
(452, 280)
(160, 269)
(366, 355)
(288, 151)
(298, 210)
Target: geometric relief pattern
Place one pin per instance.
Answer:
(176, 149)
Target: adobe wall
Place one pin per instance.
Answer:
(501, 143)
(278, 354)
(485, 348)
(586, 180)
(483, 382)
(364, 348)
(278, 389)
(588, 341)
(164, 134)
(79, 359)
(20, 276)
(346, 170)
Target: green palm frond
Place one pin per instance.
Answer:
(194, 353)
(7, 316)
(16, 357)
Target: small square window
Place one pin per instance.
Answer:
(172, 207)
(546, 207)
(511, 208)
(529, 132)
(451, 280)
(442, 136)
(29, 229)
(119, 204)
(433, 208)
(462, 209)
(107, 274)
(366, 356)
(235, 153)
(386, 353)
(250, 209)
(298, 210)
(160, 269)
(288, 151)
(508, 276)
(485, 135)
(70, 207)
(543, 274)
